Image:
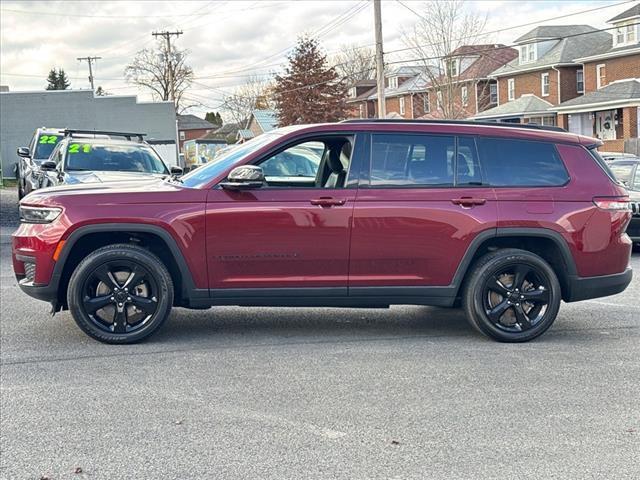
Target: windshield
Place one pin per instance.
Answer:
(226, 160)
(113, 158)
(45, 145)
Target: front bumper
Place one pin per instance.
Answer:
(584, 288)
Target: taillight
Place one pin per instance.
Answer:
(613, 203)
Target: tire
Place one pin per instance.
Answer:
(102, 304)
(512, 295)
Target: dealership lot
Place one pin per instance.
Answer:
(408, 392)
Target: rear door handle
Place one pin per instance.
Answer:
(327, 201)
(469, 201)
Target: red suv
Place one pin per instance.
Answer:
(505, 221)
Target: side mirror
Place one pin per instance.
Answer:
(244, 177)
(176, 171)
(23, 152)
(48, 165)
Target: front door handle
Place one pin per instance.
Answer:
(327, 201)
(468, 201)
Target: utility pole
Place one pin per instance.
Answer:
(167, 36)
(377, 14)
(90, 61)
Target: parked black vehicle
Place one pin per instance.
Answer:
(80, 157)
(28, 173)
(628, 172)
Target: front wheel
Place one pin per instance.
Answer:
(512, 295)
(120, 294)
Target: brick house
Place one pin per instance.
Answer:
(609, 109)
(191, 127)
(545, 68)
(419, 92)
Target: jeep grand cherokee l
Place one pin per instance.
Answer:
(504, 221)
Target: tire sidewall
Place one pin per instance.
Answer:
(481, 319)
(130, 253)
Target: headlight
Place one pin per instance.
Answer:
(39, 214)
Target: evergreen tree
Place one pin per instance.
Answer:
(310, 91)
(52, 80)
(100, 92)
(214, 118)
(63, 80)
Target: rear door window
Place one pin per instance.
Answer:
(521, 163)
(412, 160)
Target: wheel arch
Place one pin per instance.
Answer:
(155, 238)
(544, 242)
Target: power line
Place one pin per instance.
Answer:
(167, 36)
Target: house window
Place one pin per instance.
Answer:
(182, 137)
(439, 99)
(465, 96)
(393, 82)
(493, 93)
(426, 106)
(544, 78)
(625, 34)
(401, 105)
(528, 53)
(453, 67)
(601, 75)
(511, 89)
(580, 81)
(352, 92)
(361, 110)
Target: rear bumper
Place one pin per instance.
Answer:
(584, 288)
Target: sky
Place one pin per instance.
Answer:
(229, 40)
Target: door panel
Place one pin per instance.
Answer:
(278, 238)
(415, 237)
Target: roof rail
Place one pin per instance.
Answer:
(69, 132)
(532, 126)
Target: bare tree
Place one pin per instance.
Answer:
(152, 68)
(254, 94)
(354, 63)
(443, 28)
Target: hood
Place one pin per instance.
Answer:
(76, 177)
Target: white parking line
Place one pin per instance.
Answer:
(610, 304)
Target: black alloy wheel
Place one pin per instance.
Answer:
(120, 294)
(512, 295)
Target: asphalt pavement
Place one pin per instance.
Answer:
(318, 393)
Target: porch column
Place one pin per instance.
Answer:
(563, 121)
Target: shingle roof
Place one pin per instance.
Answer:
(632, 12)
(526, 104)
(553, 31)
(622, 91)
(266, 119)
(191, 122)
(589, 42)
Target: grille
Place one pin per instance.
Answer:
(30, 271)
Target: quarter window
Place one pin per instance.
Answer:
(521, 163)
(412, 160)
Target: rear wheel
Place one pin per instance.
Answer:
(512, 295)
(120, 294)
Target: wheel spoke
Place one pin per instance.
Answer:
(91, 305)
(521, 318)
(105, 276)
(498, 287)
(521, 272)
(536, 296)
(136, 277)
(147, 305)
(120, 321)
(496, 312)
